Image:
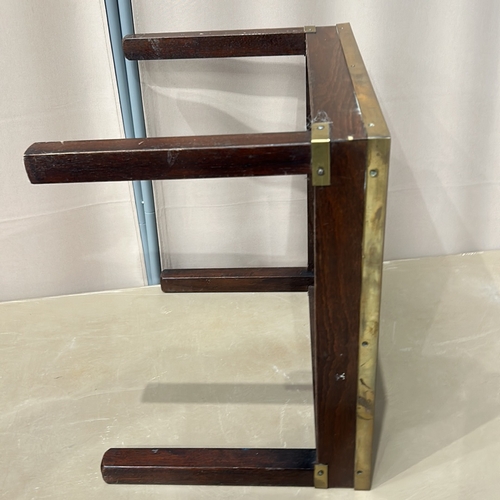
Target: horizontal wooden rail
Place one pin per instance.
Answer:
(213, 466)
(190, 45)
(169, 158)
(264, 279)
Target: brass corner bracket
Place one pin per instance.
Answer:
(320, 154)
(321, 476)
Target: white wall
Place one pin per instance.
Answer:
(435, 68)
(57, 83)
(434, 65)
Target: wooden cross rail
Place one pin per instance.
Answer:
(216, 466)
(169, 158)
(345, 155)
(212, 44)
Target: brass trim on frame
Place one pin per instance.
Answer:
(373, 247)
(376, 177)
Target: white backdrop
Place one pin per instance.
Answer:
(435, 68)
(57, 83)
(434, 65)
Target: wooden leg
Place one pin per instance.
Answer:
(339, 234)
(214, 466)
(262, 279)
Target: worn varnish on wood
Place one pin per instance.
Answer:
(345, 230)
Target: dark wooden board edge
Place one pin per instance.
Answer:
(331, 93)
(338, 236)
(215, 44)
(169, 158)
(209, 466)
(264, 279)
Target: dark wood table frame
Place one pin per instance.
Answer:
(345, 155)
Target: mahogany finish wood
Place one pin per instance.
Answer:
(267, 42)
(336, 309)
(312, 327)
(310, 188)
(169, 158)
(310, 224)
(263, 279)
(338, 223)
(331, 93)
(214, 466)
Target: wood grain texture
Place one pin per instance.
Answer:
(189, 45)
(310, 189)
(213, 466)
(312, 330)
(310, 224)
(169, 158)
(264, 279)
(338, 232)
(331, 93)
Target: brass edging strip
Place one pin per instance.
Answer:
(373, 248)
(376, 177)
(373, 118)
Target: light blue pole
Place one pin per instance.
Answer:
(127, 77)
(127, 28)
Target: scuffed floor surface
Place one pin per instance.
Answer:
(136, 367)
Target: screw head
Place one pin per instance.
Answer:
(373, 173)
(320, 127)
(321, 171)
(320, 473)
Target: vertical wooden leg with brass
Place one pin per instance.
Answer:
(345, 154)
(349, 229)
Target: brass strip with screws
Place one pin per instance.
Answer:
(376, 178)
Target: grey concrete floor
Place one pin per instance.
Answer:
(81, 374)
